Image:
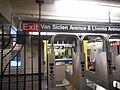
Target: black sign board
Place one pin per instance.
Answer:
(79, 27)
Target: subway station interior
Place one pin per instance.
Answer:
(59, 44)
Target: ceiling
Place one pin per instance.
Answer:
(32, 3)
(31, 7)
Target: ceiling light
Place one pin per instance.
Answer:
(88, 9)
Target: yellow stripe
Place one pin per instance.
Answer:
(45, 48)
(45, 52)
(85, 51)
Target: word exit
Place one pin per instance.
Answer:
(31, 27)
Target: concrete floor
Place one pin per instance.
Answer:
(13, 84)
(28, 83)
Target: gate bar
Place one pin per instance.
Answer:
(9, 78)
(17, 71)
(32, 61)
(2, 45)
(39, 62)
(24, 61)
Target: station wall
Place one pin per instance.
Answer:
(6, 9)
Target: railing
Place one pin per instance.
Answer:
(24, 73)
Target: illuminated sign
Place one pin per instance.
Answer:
(80, 27)
(115, 44)
(31, 27)
(77, 27)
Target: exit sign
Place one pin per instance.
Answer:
(116, 44)
(31, 27)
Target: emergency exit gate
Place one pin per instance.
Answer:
(20, 60)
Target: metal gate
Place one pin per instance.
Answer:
(20, 60)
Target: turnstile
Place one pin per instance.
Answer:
(116, 60)
(78, 65)
(103, 69)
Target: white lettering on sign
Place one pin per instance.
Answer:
(95, 28)
(59, 27)
(77, 27)
(89, 28)
(113, 29)
(31, 27)
(44, 26)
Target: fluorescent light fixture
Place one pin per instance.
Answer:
(50, 33)
(80, 5)
(85, 9)
(43, 33)
(37, 33)
(34, 33)
(54, 33)
(114, 40)
(82, 34)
